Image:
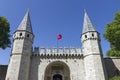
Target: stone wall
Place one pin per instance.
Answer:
(3, 70)
(112, 66)
(40, 63)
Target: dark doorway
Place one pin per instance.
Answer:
(57, 77)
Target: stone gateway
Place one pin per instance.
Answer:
(41, 63)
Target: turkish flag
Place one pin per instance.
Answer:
(59, 37)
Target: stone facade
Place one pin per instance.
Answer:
(112, 65)
(3, 71)
(86, 63)
(67, 62)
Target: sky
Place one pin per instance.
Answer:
(52, 17)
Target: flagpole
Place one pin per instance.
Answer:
(58, 38)
(57, 43)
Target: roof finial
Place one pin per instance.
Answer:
(28, 9)
(84, 10)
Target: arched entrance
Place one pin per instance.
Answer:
(57, 70)
(57, 77)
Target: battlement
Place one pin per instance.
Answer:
(56, 50)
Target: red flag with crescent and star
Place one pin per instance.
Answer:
(59, 37)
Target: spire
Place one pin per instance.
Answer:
(26, 23)
(87, 25)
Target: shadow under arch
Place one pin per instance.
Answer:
(57, 70)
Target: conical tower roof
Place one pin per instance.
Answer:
(26, 23)
(87, 24)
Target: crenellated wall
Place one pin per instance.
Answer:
(56, 50)
(40, 61)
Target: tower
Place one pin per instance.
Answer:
(91, 49)
(18, 68)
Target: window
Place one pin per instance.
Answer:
(20, 34)
(85, 36)
(92, 35)
(28, 35)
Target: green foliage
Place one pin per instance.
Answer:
(113, 52)
(112, 35)
(4, 33)
(115, 78)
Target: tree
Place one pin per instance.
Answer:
(115, 78)
(112, 35)
(4, 33)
